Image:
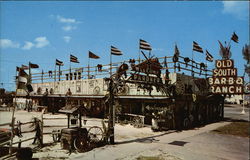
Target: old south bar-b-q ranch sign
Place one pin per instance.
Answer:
(225, 79)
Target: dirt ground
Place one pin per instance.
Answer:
(132, 143)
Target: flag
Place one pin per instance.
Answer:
(22, 79)
(31, 65)
(176, 51)
(92, 55)
(209, 57)
(235, 38)
(145, 45)
(59, 63)
(24, 67)
(115, 51)
(196, 47)
(73, 59)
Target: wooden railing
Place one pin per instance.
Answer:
(83, 72)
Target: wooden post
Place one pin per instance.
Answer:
(12, 134)
(111, 113)
(42, 124)
(68, 119)
(12, 125)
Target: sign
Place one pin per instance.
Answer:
(225, 79)
(145, 78)
(147, 73)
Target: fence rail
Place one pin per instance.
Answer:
(83, 72)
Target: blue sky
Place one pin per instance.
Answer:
(40, 32)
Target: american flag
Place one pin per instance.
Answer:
(73, 59)
(115, 51)
(196, 47)
(145, 45)
(209, 57)
(59, 63)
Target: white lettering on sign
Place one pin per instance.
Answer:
(227, 89)
(225, 72)
(224, 63)
(225, 80)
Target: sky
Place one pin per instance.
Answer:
(41, 32)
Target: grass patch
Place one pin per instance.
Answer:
(235, 128)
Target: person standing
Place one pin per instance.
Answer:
(37, 129)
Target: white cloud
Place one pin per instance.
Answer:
(66, 20)
(6, 43)
(41, 42)
(68, 28)
(68, 24)
(27, 45)
(67, 39)
(238, 9)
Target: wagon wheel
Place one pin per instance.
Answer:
(95, 134)
(180, 88)
(81, 144)
(137, 122)
(56, 135)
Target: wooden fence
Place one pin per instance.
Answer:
(7, 136)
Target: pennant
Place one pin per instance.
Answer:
(59, 63)
(31, 65)
(145, 45)
(115, 51)
(235, 38)
(24, 67)
(92, 55)
(209, 57)
(73, 59)
(196, 47)
(176, 51)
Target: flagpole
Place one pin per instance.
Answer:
(59, 71)
(110, 65)
(192, 63)
(29, 73)
(88, 68)
(206, 65)
(55, 73)
(139, 53)
(42, 76)
(69, 69)
(206, 70)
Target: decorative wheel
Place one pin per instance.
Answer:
(56, 135)
(96, 90)
(95, 134)
(81, 144)
(137, 122)
(180, 88)
(123, 90)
